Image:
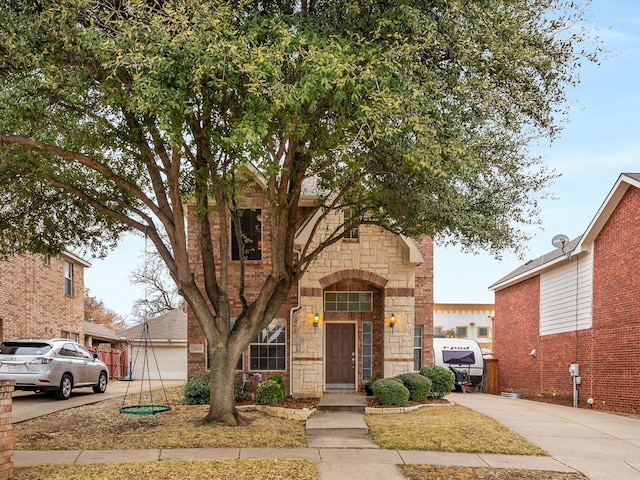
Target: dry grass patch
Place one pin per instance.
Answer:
(447, 429)
(277, 469)
(101, 426)
(431, 472)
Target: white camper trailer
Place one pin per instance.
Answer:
(462, 356)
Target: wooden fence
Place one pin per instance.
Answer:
(116, 360)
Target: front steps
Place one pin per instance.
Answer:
(339, 423)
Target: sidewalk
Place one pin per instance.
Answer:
(599, 445)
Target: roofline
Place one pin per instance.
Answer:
(464, 306)
(608, 206)
(76, 258)
(581, 243)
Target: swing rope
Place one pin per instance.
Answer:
(147, 408)
(142, 407)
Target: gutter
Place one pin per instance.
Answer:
(292, 313)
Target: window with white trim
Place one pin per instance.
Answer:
(268, 349)
(68, 278)
(367, 351)
(417, 348)
(352, 233)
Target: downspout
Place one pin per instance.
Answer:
(292, 312)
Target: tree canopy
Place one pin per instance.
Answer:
(116, 114)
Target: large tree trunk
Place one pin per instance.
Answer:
(222, 407)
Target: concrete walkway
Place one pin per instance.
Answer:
(599, 445)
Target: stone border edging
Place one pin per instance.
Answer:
(383, 410)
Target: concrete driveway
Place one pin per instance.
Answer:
(27, 405)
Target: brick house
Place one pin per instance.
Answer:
(42, 296)
(579, 304)
(363, 309)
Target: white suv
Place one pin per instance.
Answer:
(57, 365)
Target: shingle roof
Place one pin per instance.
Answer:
(170, 326)
(96, 330)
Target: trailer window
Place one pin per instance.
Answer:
(458, 357)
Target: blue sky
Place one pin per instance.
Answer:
(600, 141)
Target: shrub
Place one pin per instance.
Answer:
(390, 391)
(198, 390)
(238, 394)
(442, 380)
(418, 385)
(279, 379)
(269, 392)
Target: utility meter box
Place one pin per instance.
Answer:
(574, 370)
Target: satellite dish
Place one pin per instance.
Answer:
(560, 240)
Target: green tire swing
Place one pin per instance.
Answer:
(150, 407)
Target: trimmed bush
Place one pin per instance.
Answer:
(418, 385)
(390, 391)
(279, 379)
(198, 390)
(442, 380)
(269, 392)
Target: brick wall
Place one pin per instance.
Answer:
(378, 261)
(424, 298)
(32, 298)
(6, 429)
(607, 353)
(616, 309)
(517, 310)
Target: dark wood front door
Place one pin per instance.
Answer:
(341, 356)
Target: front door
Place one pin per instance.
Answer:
(341, 356)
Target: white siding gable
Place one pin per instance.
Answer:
(566, 296)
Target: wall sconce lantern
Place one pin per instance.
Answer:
(316, 321)
(392, 321)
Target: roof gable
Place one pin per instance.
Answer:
(170, 326)
(577, 245)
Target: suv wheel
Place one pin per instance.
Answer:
(102, 383)
(66, 384)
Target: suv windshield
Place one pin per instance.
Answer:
(15, 348)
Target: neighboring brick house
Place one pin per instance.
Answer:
(352, 292)
(579, 304)
(42, 296)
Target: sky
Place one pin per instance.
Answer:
(600, 141)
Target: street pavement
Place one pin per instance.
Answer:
(599, 445)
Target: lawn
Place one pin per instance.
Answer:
(447, 429)
(101, 426)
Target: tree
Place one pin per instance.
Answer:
(161, 294)
(120, 115)
(95, 311)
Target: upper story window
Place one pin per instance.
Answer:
(68, 278)
(251, 228)
(352, 233)
(46, 260)
(348, 301)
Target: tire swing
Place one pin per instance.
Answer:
(149, 408)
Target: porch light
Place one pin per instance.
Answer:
(316, 321)
(392, 321)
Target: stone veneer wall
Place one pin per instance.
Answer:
(6, 429)
(380, 258)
